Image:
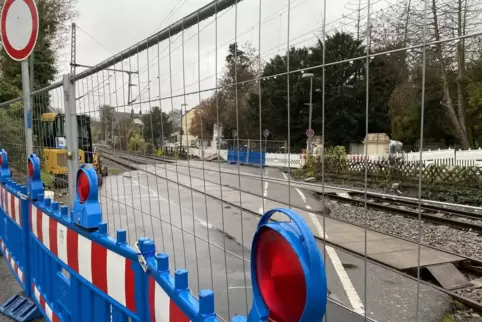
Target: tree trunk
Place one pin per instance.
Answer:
(405, 32)
(457, 122)
(461, 81)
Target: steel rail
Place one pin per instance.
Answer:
(437, 208)
(409, 213)
(314, 186)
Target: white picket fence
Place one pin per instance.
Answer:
(293, 160)
(285, 160)
(449, 157)
(208, 153)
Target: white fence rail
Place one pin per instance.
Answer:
(292, 160)
(448, 157)
(208, 153)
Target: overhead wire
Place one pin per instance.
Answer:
(170, 14)
(264, 54)
(264, 21)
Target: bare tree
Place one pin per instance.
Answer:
(451, 34)
(455, 19)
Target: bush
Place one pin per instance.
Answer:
(148, 148)
(461, 196)
(159, 153)
(136, 143)
(337, 152)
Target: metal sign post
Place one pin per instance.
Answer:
(71, 134)
(309, 134)
(265, 134)
(27, 109)
(19, 29)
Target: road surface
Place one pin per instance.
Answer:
(212, 239)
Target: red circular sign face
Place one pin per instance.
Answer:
(310, 133)
(19, 28)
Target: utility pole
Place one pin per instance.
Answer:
(73, 49)
(310, 76)
(128, 72)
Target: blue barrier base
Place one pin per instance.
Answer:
(20, 309)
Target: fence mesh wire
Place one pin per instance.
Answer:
(164, 117)
(46, 105)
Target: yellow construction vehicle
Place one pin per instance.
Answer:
(55, 153)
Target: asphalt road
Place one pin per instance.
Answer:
(212, 239)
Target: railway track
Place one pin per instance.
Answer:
(436, 214)
(470, 267)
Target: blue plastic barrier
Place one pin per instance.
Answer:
(235, 156)
(75, 268)
(13, 240)
(246, 157)
(75, 271)
(256, 158)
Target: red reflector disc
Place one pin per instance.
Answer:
(30, 169)
(83, 186)
(280, 277)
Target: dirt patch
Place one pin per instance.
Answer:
(19, 176)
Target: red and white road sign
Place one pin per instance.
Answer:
(310, 133)
(19, 28)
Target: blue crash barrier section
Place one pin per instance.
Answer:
(74, 271)
(246, 157)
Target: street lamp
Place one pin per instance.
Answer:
(310, 76)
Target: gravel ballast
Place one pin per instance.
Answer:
(463, 242)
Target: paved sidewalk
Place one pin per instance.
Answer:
(9, 287)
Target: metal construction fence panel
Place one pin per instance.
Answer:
(77, 275)
(48, 134)
(76, 272)
(237, 77)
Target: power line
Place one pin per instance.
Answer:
(170, 14)
(94, 39)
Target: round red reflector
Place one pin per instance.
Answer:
(30, 169)
(83, 186)
(280, 277)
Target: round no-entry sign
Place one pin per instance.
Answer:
(310, 133)
(19, 28)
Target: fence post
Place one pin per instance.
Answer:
(27, 108)
(71, 136)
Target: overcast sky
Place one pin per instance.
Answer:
(107, 27)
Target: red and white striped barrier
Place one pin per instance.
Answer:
(162, 307)
(13, 264)
(106, 278)
(108, 271)
(44, 305)
(12, 205)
